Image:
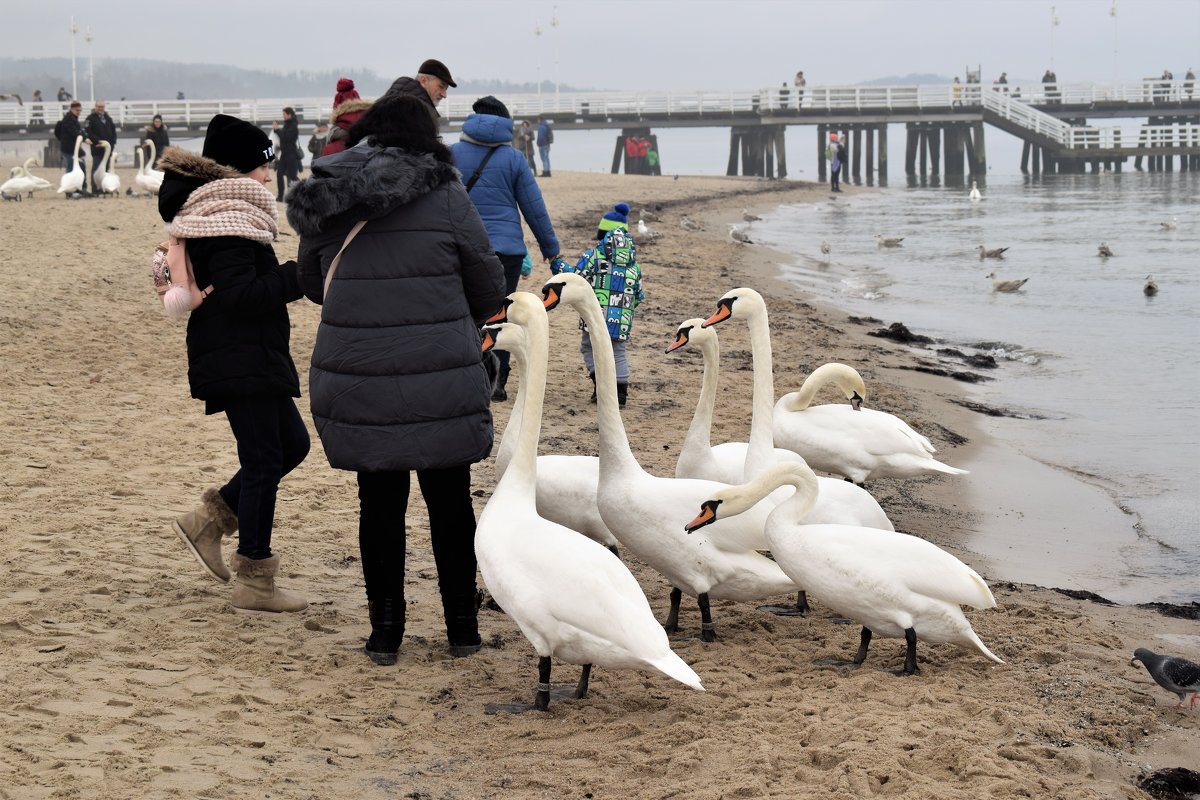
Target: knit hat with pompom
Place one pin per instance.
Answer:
(617, 218)
(345, 91)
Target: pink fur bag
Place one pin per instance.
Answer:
(174, 281)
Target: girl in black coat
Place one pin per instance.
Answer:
(238, 348)
(287, 169)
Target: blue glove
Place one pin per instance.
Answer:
(556, 265)
(526, 265)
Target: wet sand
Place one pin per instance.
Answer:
(125, 670)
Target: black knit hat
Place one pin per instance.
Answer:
(490, 105)
(236, 143)
(438, 70)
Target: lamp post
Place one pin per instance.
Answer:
(74, 81)
(1053, 25)
(1112, 12)
(87, 37)
(554, 25)
(537, 41)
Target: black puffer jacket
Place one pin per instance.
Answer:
(397, 380)
(238, 338)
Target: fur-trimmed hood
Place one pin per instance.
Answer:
(185, 173)
(349, 107)
(367, 180)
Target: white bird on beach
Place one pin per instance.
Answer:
(739, 235)
(749, 218)
(72, 181)
(21, 183)
(572, 599)
(642, 510)
(1150, 288)
(883, 241)
(846, 439)
(687, 224)
(893, 584)
(975, 194)
(645, 231)
(1170, 226)
(1006, 286)
(997, 252)
(148, 179)
(110, 182)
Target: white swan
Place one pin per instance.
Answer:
(839, 502)
(110, 182)
(38, 183)
(566, 485)
(149, 178)
(72, 181)
(572, 598)
(642, 510)
(894, 584)
(858, 443)
(975, 195)
(20, 183)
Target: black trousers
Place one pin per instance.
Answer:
(512, 276)
(383, 503)
(271, 442)
(835, 178)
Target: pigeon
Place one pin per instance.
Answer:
(1174, 674)
(1151, 288)
(826, 249)
(997, 252)
(1170, 226)
(1005, 286)
(687, 224)
(886, 242)
(749, 218)
(1104, 251)
(739, 235)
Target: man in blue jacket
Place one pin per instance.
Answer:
(545, 138)
(503, 190)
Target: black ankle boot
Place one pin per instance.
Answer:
(622, 394)
(387, 630)
(462, 624)
(592, 375)
(499, 395)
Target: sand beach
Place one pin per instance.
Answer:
(124, 672)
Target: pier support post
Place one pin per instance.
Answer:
(883, 159)
(870, 156)
(1037, 160)
(923, 147)
(1024, 158)
(856, 160)
(780, 149)
(911, 143)
(934, 141)
(980, 150)
(822, 138)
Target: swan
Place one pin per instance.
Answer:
(642, 510)
(888, 242)
(857, 443)
(566, 485)
(1150, 288)
(21, 183)
(893, 584)
(110, 182)
(72, 181)
(1006, 286)
(38, 183)
(572, 599)
(149, 178)
(975, 195)
(997, 252)
(839, 501)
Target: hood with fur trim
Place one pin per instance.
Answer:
(185, 173)
(349, 107)
(365, 181)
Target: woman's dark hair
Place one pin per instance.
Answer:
(399, 121)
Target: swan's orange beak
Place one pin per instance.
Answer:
(489, 341)
(707, 516)
(681, 338)
(499, 316)
(551, 296)
(724, 311)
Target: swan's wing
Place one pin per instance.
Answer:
(878, 432)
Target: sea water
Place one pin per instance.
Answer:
(1104, 380)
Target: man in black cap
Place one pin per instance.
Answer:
(433, 79)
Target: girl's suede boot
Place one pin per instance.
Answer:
(203, 529)
(254, 589)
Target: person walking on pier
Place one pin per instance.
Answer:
(1189, 82)
(799, 83)
(835, 151)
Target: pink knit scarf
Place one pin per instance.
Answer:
(228, 207)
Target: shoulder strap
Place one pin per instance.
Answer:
(337, 259)
(482, 164)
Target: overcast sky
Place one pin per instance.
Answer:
(650, 44)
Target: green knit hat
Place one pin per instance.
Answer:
(617, 218)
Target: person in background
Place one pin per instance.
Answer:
(835, 151)
(318, 140)
(613, 270)
(799, 83)
(287, 167)
(100, 128)
(545, 138)
(348, 109)
(64, 95)
(956, 92)
(525, 138)
(68, 130)
(432, 83)
(503, 192)
(156, 132)
(397, 381)
(238, 349)
(1189, 82)
(37, 117)
(179, 96)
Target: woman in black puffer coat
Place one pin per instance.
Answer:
(397, 381)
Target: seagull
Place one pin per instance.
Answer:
(646, 231)
(1170, 226)
(1174, 674)
(1006, 286)
(885, 242)
(1151, 288)
(826, 250)
(975, 195)
(687, 224)
(739, 235)
(650, 215)
(749, 218)
(1104, 251)
(997, 252)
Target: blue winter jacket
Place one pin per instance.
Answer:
(505, 185)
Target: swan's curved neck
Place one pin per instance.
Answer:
(761, 446)
(698, 441)
(512, 431)
(790, 473)
(614, 443)
(521, 472)
(822, 375)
